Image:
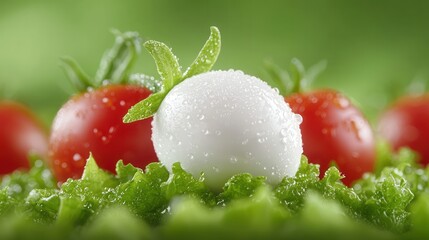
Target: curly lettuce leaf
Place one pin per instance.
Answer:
(143, 195)
(168, 204)
(257, 217)
(80, 199)
(20, 183)
(117, 223)
(240, 186)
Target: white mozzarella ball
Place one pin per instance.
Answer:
(226, 122)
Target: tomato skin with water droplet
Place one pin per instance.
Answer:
(334, 132)
(406, 124)
(92, 122)
(21, 134)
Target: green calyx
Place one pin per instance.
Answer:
(171, 74)
(114, 66)
(295, 81)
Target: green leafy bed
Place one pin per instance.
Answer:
(156, 204)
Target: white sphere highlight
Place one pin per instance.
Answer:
(226, 122)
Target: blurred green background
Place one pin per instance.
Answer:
(372, 47)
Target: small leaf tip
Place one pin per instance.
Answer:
(127, 118)
(214, 29)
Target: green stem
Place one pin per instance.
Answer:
(277, 77)
(75, 73)
(117, 61)
(297, 80)
(298, 73)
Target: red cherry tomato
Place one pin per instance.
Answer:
(406, 124)
(92, 122)
(21, 135)
(334, 131)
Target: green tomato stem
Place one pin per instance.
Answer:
(298, 73)
(297, 80)
(75, 73)
(277, 78)
(117, 61)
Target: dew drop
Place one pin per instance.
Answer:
(38, 163)
(313, 99)
(77, 157)
(298, 118)
(341, 102)
(324, 105)
(324, 131)
(233, 159)
(333, 132)
(277, 90)
(148, 104)
(16, 188)
(64, 165)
